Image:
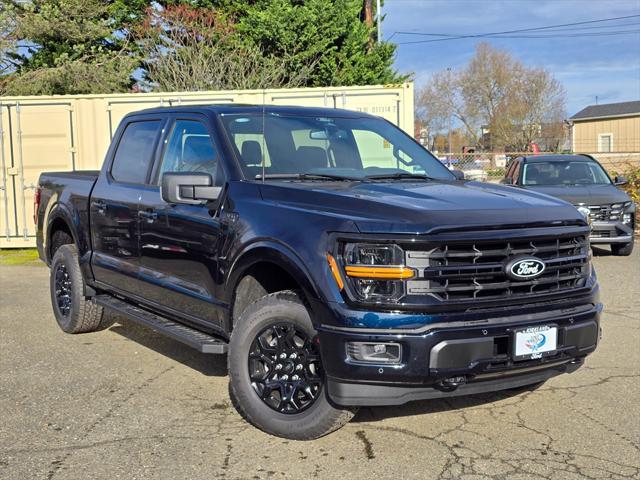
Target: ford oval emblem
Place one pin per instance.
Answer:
(524, 268)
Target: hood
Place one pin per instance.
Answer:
(423, 207)
(585, 194)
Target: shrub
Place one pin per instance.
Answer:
(632, 172)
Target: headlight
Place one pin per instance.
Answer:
(585, 211)
(376, 272)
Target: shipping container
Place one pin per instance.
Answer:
(72, 132)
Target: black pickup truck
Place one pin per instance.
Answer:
(332, 258)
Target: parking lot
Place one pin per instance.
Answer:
(128, 403)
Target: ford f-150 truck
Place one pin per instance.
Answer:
(333, 259)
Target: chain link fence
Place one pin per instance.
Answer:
(491, 166)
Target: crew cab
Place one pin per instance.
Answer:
(581, 180)
(333, 259)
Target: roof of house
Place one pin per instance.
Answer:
(605, 110)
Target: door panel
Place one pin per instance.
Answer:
(114, 235)
(179, 244)
(179, 254)
(114, 206)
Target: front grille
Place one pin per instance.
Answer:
(469, 271)
(604, 213)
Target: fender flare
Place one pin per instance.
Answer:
(273, 252)
(58, 211)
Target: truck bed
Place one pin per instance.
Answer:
(73, 190)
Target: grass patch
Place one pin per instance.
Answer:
(19, 256)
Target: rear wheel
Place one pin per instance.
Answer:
(73, 312)
(622, 249)
(275, 369)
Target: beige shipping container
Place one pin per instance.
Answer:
(73, 132)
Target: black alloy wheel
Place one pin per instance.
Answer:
(63, 289)
(285, 368)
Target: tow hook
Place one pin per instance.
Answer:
(451, 383)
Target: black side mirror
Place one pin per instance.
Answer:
(507, 181)
(188, 188)
(459, 174)
(620, 180)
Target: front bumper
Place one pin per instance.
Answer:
(610, 232)
(479, 353)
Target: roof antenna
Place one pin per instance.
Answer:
(263, 133)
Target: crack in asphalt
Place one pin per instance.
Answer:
(58, 463)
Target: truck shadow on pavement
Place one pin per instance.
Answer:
(209, 365)
(216, 366)
(443, 405)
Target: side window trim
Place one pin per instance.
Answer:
(154, 156)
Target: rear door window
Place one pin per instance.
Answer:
(134, 153)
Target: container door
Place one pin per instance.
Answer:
(35, 137)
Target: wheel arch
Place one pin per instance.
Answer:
(59, 219)
(266, 260)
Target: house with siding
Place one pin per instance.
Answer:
(611, 128)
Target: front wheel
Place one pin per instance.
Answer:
(275, 370)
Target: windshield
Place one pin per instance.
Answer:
(564, 173)
(332, 148)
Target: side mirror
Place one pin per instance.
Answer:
(507, 181)
(459, 174)
(620, 180)
(188, 188)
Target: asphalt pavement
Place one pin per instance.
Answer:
(129, 403)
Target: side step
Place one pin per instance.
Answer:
(194, 338)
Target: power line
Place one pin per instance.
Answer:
(559, 35)
(498, 34)
(578, 29)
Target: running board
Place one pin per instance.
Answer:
(194, 338)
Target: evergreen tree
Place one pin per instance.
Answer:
(71, 46)
(330, 34)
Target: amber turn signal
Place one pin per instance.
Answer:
(336, 272)
(388, 273)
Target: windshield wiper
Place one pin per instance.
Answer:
(307, 176)
(399, 176)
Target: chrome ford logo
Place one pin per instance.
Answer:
(525, 268)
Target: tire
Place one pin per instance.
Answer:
(58, 239)
(622, 250)
(303, 419)
(73, 312)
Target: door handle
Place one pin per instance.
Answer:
(149, 215)
(100, 206)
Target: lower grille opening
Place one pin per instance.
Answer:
(500, 346)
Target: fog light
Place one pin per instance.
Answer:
(371, 352)
(626, 218)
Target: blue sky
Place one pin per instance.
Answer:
(606, 66)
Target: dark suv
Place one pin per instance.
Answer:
(581, 180)
(334, 259)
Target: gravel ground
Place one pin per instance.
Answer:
(128, 403)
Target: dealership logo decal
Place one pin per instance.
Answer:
(524, 268)
(535, 341)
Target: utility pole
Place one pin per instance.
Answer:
(379, 19)
(450, 115)
(368, 13)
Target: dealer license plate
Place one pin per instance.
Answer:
(535, 342)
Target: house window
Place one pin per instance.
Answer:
(605, 142)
